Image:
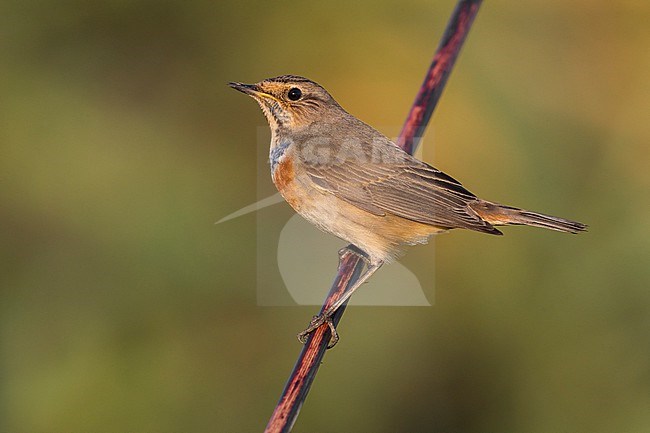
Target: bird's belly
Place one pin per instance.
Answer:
(381, 237)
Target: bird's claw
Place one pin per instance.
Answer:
(316, 323)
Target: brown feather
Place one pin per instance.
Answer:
(403, 186)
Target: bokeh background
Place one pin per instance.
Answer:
(124, 308)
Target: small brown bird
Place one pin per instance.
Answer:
(353, 182)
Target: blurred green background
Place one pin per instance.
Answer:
(124, 308)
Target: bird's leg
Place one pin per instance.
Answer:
(326, 316)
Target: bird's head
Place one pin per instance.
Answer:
(291, 102)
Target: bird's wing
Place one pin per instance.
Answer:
(410, 189)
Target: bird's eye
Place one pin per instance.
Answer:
(294, 93)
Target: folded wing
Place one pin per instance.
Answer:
(411, 189)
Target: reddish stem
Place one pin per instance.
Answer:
(436, 78)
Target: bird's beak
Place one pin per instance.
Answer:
(245, 88)
(251, 89)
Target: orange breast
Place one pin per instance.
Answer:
(283, 178)
(283, 174)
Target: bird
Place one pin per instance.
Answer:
(350, 180)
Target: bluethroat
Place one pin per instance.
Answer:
(350, 180)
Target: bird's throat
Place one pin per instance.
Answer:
(275, 115)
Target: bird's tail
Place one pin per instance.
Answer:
(497, 214)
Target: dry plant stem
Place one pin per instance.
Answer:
(436, 78)
(351, 264)
(295, 391)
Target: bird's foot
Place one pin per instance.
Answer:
(316, 323)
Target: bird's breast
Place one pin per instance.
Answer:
(283, 173)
